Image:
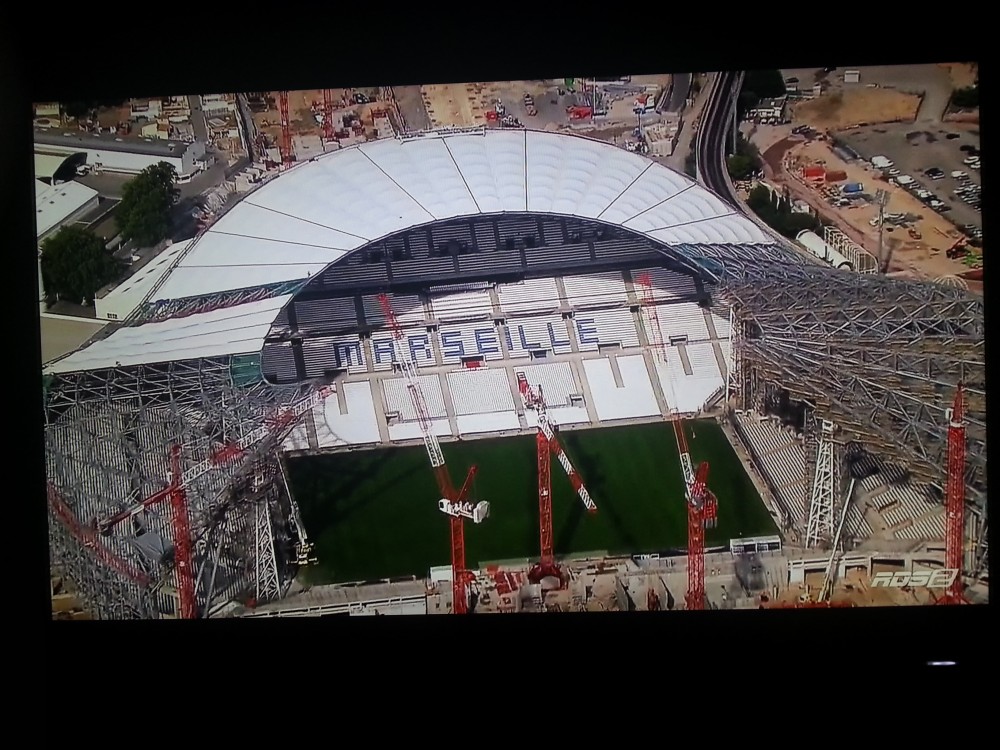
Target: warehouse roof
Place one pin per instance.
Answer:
(54, 203)
(46, 165)
(109, 142)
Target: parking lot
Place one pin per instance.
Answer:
(914, 150)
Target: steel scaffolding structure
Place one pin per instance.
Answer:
(878, 357)
(108, 438)
(820, 526)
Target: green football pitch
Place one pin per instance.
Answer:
(373, 514)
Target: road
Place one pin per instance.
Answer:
(198, 118)
(711, 141)
(679, 92)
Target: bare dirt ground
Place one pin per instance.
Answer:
(848, 108)
(924, 258)
(963, 75)
(465, 104)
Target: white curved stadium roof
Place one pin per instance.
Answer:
(299, 223)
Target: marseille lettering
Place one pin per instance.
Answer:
(482, 341)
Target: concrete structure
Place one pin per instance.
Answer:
(661, 137)
(125, 155)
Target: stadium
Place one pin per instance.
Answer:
(628, 292)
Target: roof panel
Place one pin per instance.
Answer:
(234, 330)
(473, 160)
(222, 262)
(505, 152)
(248, 219)
(423, 168)
(345, 191)
(653, 186)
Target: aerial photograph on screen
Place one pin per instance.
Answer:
(704, 341)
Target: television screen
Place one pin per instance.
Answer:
(690, 341)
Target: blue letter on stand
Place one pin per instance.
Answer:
(383, 351)
(451, 344)
(418, 343)
(524, 340)
(348, 350)
(506, 333)
(556, 342)
(588, 336)
(488, 346)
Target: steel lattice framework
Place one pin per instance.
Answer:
(108, 439)
(878, 357)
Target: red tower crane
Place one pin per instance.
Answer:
(179, 479)
(702, 505)
(452, 503)
(287, 157)
(327, 115)
(955, 499)
(546, 442)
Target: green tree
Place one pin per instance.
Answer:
(740, 167)
(84, 108)
(75, 264)
(143, 215)
(967, 98)
(690, 164)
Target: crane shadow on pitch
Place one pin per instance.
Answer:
(594, 478)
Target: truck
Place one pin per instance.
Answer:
(852, 187)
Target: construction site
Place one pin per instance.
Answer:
(484, 311)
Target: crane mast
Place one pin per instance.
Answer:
(327, 115)
(702, 505)
(955, 500)
(547, 444)
(451, 503)
(286, 131)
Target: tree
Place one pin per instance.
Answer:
(84, 108)
(740, 167)
(690, 164)
(143, 215)
(75, 264)
(967, 98)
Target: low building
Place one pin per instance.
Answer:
(145, 109)
(217, 104)
(55, 207)
(47, 109)
(770, 111)
(126, 155)
(852, 76)
(61, 204)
